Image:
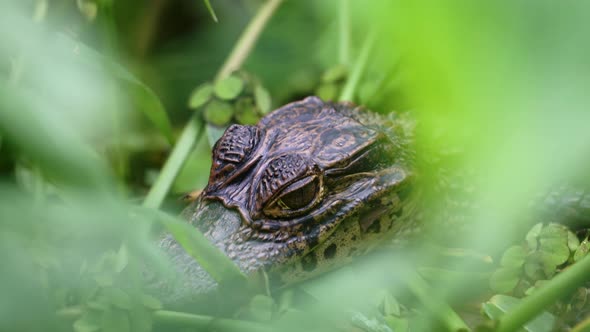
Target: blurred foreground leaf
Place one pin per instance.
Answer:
(147, 101)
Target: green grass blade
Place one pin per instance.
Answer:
(211, 11)
(213, 260)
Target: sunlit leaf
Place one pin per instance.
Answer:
(201, 95)
(229, 87)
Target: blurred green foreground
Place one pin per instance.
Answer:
(94, 95)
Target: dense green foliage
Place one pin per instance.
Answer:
(108, 110)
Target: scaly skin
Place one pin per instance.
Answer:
(310, 186)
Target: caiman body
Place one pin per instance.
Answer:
(311, 185)
(314, 184)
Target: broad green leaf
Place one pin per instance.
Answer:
(229, 87)
(553, 232)
(498, 305)
(504, 279)
(201, 95)
(513, 257)
(218, 113)
(533, 235)
(263, 100)
(147, 101)
(554, 252)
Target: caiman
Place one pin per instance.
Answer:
(313, 184)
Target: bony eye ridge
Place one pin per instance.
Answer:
(296, 198)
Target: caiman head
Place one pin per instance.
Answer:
(311, 185)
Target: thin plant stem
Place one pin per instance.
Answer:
(194, 128)
(246, 42)
(344, 32)
(358, 70)
(532, 305)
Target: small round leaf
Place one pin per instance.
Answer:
(218, 113)
(229, 87)
(513, 257)
(246, 111)
(201, 95)
(504, 279)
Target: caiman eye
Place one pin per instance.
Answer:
(295, 199)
